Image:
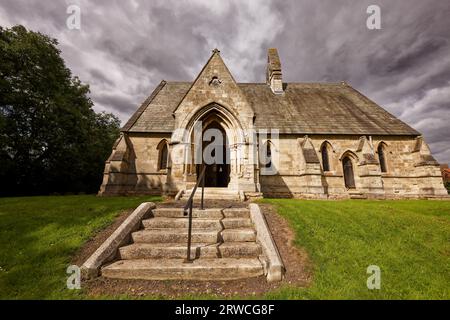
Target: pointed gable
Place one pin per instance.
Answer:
(214, 84)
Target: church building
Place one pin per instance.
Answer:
(320, 140)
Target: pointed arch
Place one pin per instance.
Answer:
(229, 121)
(163, 154)
(381, 151)
(349, 160)
(350, 154)
(325, 150)
(349, 174)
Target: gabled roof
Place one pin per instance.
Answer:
(155, 114)
(304, 108)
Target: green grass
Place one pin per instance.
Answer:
(39, 236)
(408, 240)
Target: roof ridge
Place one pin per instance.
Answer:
(307, 83)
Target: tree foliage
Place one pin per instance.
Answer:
(51, 140)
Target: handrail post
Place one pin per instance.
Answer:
(187, 211)
(203, 189)
(188, 258)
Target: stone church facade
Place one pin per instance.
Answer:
(325, 140)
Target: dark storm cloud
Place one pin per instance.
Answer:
(125, 48)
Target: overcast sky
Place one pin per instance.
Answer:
(125, 48)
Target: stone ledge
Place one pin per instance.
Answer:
(108, 250)
(275, 267)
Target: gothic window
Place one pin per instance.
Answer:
(163, 155)
(325, 157)
(348, 173)
(382, 158)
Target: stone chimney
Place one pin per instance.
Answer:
(274, 77)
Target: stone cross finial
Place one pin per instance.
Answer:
(216, 51)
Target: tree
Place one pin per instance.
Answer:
(51, 140)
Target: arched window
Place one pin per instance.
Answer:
(268, 156)
(382, 158)
(163, 155)
(349, 177)
(325, 157)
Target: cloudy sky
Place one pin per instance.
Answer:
(126, 47)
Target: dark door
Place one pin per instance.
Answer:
(217, 175)
(348, 173)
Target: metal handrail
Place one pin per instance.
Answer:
(187, 211)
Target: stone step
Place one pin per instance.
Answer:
(197, 223)
(176, 269)
(234, 223)
(237, 213)
(213, 196)
(196, 213)
(356, 196)
(198, 250)
(175, 235)
(238, 235)
(203, 214)
(212, 191)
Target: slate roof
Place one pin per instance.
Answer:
(304, 108)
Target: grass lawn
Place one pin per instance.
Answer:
(408, 240)
(39, 236)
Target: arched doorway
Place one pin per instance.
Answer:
(216, 155)
(226, 174)
(349, 176)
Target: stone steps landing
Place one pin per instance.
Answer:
(213, 194)
(223, 247)
(202, 214)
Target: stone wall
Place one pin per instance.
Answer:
(133, 168)
(407, 175)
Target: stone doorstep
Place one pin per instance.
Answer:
(202, 214)
(213, 194)
(220, 191)
(198, 250)
(216, 197)
(197, 223)
(176, 235)
(174, 269)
